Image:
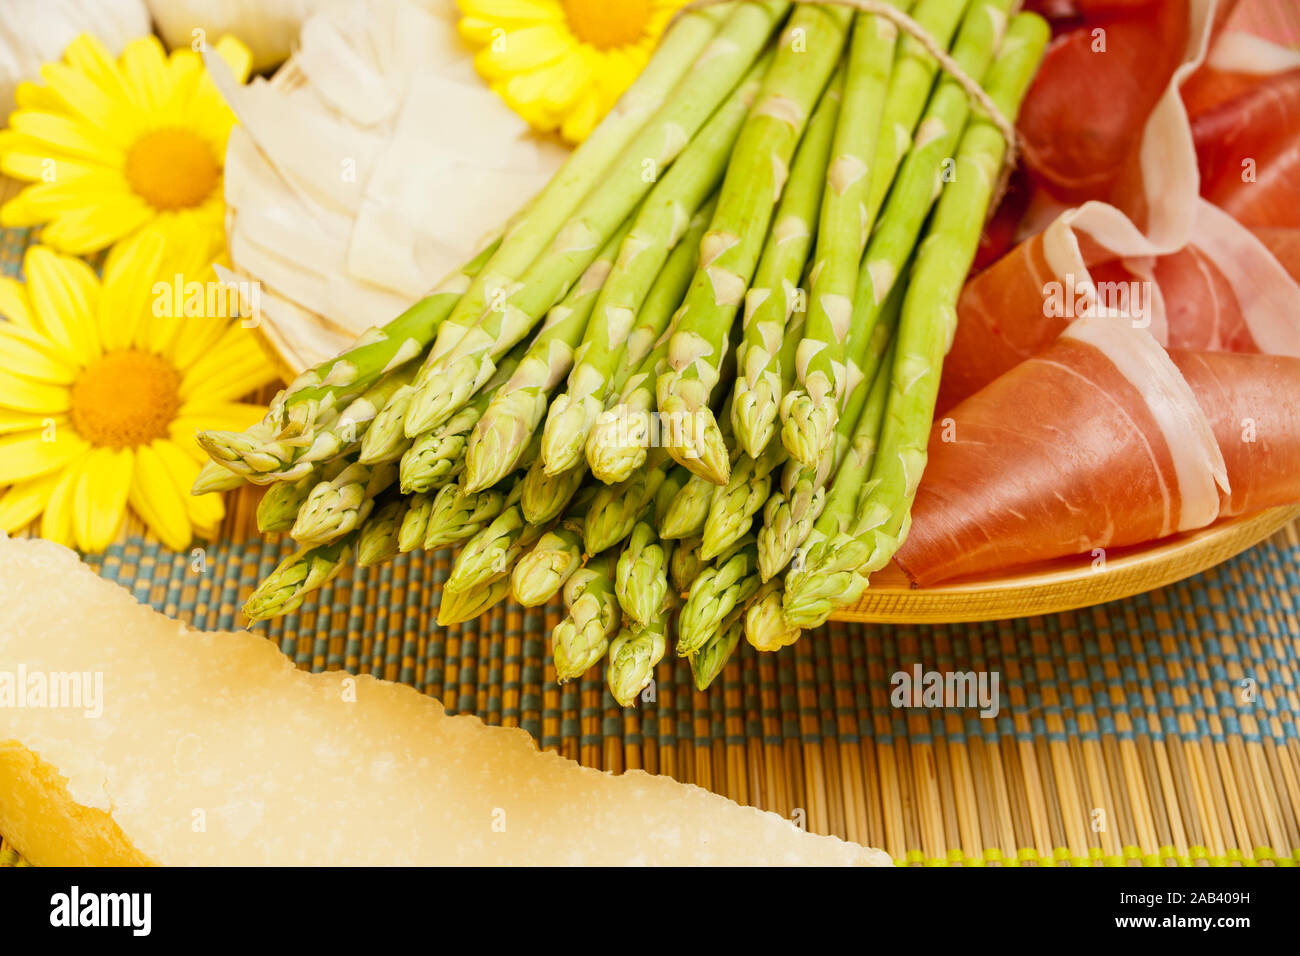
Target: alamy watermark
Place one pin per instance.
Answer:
(1073, 299)
(53, 690)
(215, 299)
(960, 689)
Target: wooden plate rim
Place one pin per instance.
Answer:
(1055, 589)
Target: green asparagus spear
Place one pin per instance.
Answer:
(502, 435)
(766, 628)
(929, 311)
(685, 564)
(811, 409)
(789, 515)
(492, 552)
(633, 655)
(415, 522)
(658, 228)
(544, 497)
(339, 505)
(614, 508)
(689, 511)
(457, 607)
(214, 477)
(765, 355)
(641, 576)
(550, 562)
(278, 509)
(458, 374)
(721, 587)
(297, 576)
(678, 50)
(730, 249)
(377, 542)
(707, 662)
(826, 573)
(456, 515)
(581, 639)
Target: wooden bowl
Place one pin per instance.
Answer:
(1065, 584)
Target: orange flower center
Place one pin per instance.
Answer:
(606, 24)
(172, 169)
(124, 399)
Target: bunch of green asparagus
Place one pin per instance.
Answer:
(569, 409)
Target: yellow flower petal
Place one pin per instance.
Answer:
(201, 413)
(232, 369)
(12, 422)
(565, 81)
(38, 162)
(34, 398)
(23, 502)
(519, 11)
(13, 302)
(28, 455)
(237, 56)
(582, 119)
(99, 503)
(524, 49)
(64, 294)
(129, 290)
(81, 97)
(73, 140)
(157, 499)
(144, 62)
(96, 227)
(88, 55)
(31, 355)
(197, 338)
(57, 522)
(67, 136)
(37, 96)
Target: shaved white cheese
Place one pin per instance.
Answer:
(373, 164)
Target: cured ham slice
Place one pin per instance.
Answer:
(1227, 288)
(1236, 63)
(1091, 100)
(1248, 152)
(1253, 405)
(1097, 442)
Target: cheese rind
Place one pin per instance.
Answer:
(212, 748)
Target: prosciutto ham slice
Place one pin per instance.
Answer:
(1227, 288)
(1100, 81)
(1248, 152)
(1097, 442)
(1253, 405)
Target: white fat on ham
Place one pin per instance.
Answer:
(1236, 51)
(1199, 468)
(1171, 189)
(1267, 295)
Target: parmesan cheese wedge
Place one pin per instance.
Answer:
(129, 738)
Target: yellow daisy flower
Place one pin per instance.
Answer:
(101, 392)
(562, 64)
(114, 146)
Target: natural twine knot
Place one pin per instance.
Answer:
(931, 46)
